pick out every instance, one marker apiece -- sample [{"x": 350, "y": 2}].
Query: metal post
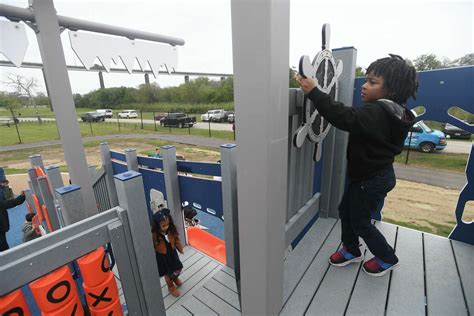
[
  {"x": 48, "y": 202},
  {"x": 141, "y": 117},
  {"x": 109, "y": 173},
  {"x": 173, "y": 196},
  {"x": 101, "y": 80},
  {"x": 147, "y": 80},
  {"x": 118, "y": 122},
  {"x": 132, "y": 197},
  {"x": 16, "y": 125},
  {"x": 260, "y": 29},
  {"x": 154, "y": 120},
  {"x": 57, "y": 79},
  {"x": 71, "y": 204},
  {"x": 186, "y": 79},
  {"x": 55, "y": 179},
  {"x": 36, "y": 160},
  {"x": 132, "y": 161},
  {"x": 229, "y": 199}
]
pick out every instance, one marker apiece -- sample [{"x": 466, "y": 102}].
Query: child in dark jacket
[
  {"x": 29, "y": 228},
  {"x": 166, "y": 241},
  {"x": 377, "y": 131}
]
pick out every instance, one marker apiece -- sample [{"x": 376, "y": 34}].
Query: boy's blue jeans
[{"x": 360, "y": 198}]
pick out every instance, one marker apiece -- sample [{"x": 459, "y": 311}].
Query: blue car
[{"x": 425, "y": 138}]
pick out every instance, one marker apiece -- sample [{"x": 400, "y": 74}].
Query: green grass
[
  {"x": 34, "y": 132},
  {"x": 437, "y": 160},
  {"x": 433, "y": 228}
]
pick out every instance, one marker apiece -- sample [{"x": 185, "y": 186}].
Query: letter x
[{"x": 101, "y": 297}]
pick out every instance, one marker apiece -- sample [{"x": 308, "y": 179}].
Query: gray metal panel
[
  {"x": 57, "y": 79},
  {"x": 131, "y": 158},
  {"x": 191, "y": 278},
  {"x": 55, "y": 179},
  {"x": 216, "y": 303},
  {"x": 36, "y": 160},
  {"x": 173, "y": 195},
  {"x": 132, "y": 197},
  {"x": 43, "y": 255},
  {"x": 124, "y": 265},
  {"x": 292, "y": 150},
  {"x": 465, "y": 257},
  {"x": 109, "y": 173},
  {"x": 223, "y": 293},
  {"x": 29, "y": 198},
  {"x": 230, "y": 203},
  {"x": 34, "y": 186},
  {"x": 301, "y": 257},
  {"x": 407, "y": 288},
  {"x": 197, "y": 307},
  {"x": 71, "y": 205},
  {"x": 442, "y": 278},
  {"x": 48, "y": 202},
  {"x": 302, "y": 296},
  {"x": 370, "y": 293},
  {"x": 298, "y": 222}
]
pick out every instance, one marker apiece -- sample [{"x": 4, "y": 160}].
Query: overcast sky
[{"x": 375, "y": 28}]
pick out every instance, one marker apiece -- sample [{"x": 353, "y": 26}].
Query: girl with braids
[
  {"x": 166, "y": 241},
  {"x": 377, "y": 131}
]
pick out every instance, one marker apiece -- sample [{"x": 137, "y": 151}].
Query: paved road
[{"x": 458, "y": 146}]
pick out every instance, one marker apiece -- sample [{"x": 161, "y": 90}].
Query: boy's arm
[
  {"x": 351, "y": 119},
  {"x": 6, "y": 204}
]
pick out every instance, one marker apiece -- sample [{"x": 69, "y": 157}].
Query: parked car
[
  {"x": 128, "y": 114},
  {"x": 159, "y": 116},
  {"x": 214, "y": 116},
  {"x": 206, "y": 117},
  {"x": 425, "y": 138},
  {"x": 108, "y": 113},
  {"x": 178, "y": 119},
  {"x": 92, "y": 117},
  {"x": 452, "y": 131}
]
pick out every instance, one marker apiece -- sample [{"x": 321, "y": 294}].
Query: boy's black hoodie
[{"x": 377, "y": 131}]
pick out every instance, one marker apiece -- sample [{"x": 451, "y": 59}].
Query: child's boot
[
  {"x": 171, "y": 288},
  {"x": 177, "y": 281}
]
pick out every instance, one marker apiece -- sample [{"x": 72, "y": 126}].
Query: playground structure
[{"x": 264, "y": 212}]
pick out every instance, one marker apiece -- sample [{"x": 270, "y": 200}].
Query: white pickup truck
[{"x": 214, "y": 116}]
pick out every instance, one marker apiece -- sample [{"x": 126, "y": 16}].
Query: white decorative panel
[
  {"x": 88, "y": 46},
  {"x": 13, "y": 41}
]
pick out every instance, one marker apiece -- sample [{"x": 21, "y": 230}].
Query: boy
[
  {"x": 377, "y": 131},
  {"x": 6, "y": 201},
  {"x": 29, "y": 228}
]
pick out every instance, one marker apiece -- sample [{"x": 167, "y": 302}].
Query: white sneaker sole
[
  {"x": 345, "y": 263},
  {"x": 395, "y": 266}
]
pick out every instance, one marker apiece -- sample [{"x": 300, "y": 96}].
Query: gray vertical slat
[
  {"x": 293, "y": 152},
  {"x": 55, "y": 179},
  {"x": 29, "y": 199},
  {"x": 465, "y": 259},
  {"x": 71, "y": 204},
  {"x": 131, "y": 158},
  {"x": 124, "y": 265},
  {"x": 36, "y": 160},
  {"x": 109, "y": 173},
  {"x": 407, "y": 288},
  {"x": 48, "y": 202},
  {"x": 132, "y": 198},
  {"x": 60, "y": 94},
  {"x": 370, "y": 293},
  {"x": 308, "y": 174},
  {"x": 442, "y": 278},
  {"x": 197, "y": 307},
  {"x": 327, "y": 172},
  {"x": 301, "y": 297},
  {"x": 216, "y": 303},
  {"x": 300, "y": 174},
  {"x": 229, "y": 200},
  {"x": 34, "y": 186},
  {"x": 173, "y": 195}
]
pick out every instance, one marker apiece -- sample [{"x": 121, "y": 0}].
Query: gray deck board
[
  {"x": 188, "y": 263},
  {"x": 197, "y": 307},
  {"x": 303, "y": 294},
  {"x": 296, "y": 263},
  {"x": 223, "y": 292},
  {"x": 229, "y": 271},
  {"x": 226, "y": 280},
  {"x": 443, "y": 287},
  {"x": 407, "y": 288},
  {"x": 465, "y": 259},
  {"x": 370, "y": 293},
  {"x": 177, "y": 310},
  {"x": 216, "y": 303}
]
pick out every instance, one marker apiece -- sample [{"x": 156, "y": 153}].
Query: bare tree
[{"x": 24, "y": 87}]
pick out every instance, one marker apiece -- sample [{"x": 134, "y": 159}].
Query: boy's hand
[
  {"x": 307, "y": 84},
  {"x": 22, "y": 193}
]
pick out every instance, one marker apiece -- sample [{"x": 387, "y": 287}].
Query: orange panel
[
  {"x": 14, "y": 303},
  {"x": 207, "y": 243},
  {"x": 115, "y": 309},
  {"x": 74, "y": 307},
  {"x": 94, "y": 267},
  {"x": 102, "y": 295}
]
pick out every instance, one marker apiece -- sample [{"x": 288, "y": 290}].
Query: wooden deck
[{"x": 435, "y": 278}]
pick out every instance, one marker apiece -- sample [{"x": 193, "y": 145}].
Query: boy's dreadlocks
[{"x": 399, "y": 77}]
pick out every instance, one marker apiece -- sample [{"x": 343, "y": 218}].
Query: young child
[
  {"x": 166, "y": 242},
  {"x": 377, "y": 131},
  {"x": 29, "y": 228}
]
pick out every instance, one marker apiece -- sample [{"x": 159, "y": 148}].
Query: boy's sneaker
[
  {"x": 343, "y": 257},
  {"x": 377, "y": 267}
]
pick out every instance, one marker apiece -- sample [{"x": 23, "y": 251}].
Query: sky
[{"x": 374, "y": 28}]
